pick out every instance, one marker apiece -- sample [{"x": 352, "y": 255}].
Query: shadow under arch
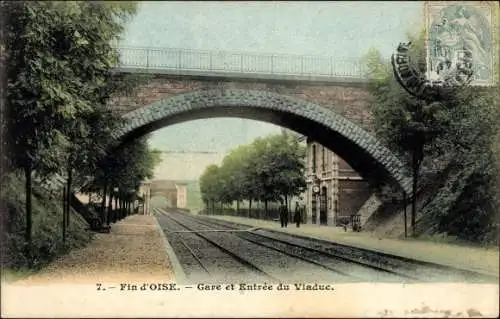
[{"x": 362, "y": 151}]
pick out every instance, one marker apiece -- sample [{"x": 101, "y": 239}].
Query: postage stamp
[{"x": 456, "y": 29}]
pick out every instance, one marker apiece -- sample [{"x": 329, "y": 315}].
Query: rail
[{"x": 163, "y": 59}]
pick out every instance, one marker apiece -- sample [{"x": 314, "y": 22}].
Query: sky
[{"x": 339, "y": 29}]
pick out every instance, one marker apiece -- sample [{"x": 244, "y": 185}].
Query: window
[
  {"x": 323, "y": 159},
  {"x": 314, "y": 206},
  {"x": 323, "y": 206},
  {"x": 313, "y": 158}
]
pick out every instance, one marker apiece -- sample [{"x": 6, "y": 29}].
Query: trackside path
[
  {"x": 481, "y": 260},
  {"x": 132, "y": 252}
]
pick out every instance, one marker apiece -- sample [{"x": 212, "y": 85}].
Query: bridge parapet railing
[{"x": 220, "y": 61}]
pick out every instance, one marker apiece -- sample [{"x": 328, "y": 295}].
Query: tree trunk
[
  {"x": 110, "y": 203},
  {"x": 120, "y": 205},
  {"x": 286, "y": 205},
  {"x": 265, "y": 209},
  {"x": 116, "y": 212},
  {"x": 414, "y": 203},
  {"x": 68, "y": 194},
  {"x": 250, "y": 208},
  {"x": 237, "y": 208},
  {"x": 65, "y": 207},
  {"x": 416, "y": 160},
  {"x": 103, "y": 203},
  {"x": 406, "y": 223},
  {"x": 28, "y": 185}
]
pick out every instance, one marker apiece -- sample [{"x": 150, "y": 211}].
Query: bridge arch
[
  {"x": 165, "y": 188},
  {"x": 362, "y": 151}
]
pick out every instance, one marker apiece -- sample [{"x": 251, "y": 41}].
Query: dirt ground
[{"x": 132, "y": 252}]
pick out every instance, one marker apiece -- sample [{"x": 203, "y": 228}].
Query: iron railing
[{"x": 229, "y": 62}]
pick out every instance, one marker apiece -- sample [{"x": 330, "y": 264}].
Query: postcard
[{"x": 250, "y": 159}]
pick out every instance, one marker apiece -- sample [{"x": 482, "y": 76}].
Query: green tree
[
  {"x": 59, "y": 58},
  {"x": 209, "y": 187},
  {"x": 450, "y": 133},
  {"x": 123, "y": 171},
  {"x": 409, "y": 125},
  {"x": 268, "y": 169},
  {"x": 40, "y": 95},
  {"x": 287, "y": 161},
  {"x": 231, "y": 176},
  {"x": 85, "y": 44}
]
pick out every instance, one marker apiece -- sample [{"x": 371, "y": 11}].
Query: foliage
[
  {"x": 268, "y": 169},
  {"x": 401, "y": 120},
  {"x": 209, "y": 184},
  {"x": 59, "y": 60},
  {"x": 47, "y": 226},
  {"x": 125, "y": 168},
  {"x": 457, "y": 133},
  {"x": 59, "y": 64}
]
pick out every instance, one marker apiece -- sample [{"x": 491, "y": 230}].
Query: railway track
[
  {"x": 423, "y": 270},
  {"x": 357, "y": 263},
  {"x": 202, "y": 258},
  {"x": 277, "y": 266},
  {"x": 307, "y": 261}
]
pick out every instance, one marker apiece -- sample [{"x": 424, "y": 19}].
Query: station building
[{"x": 334, "y": 190}]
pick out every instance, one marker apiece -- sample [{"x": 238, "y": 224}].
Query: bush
[{"x": 47, "y": 226}]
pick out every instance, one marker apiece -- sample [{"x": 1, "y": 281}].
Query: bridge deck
[{"x": 243, "y": 65}]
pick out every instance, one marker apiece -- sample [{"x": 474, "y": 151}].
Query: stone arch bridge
[
  {"x": 360, "y": 149},
  {"x": 332, "y": 109},
  {"x": 165, "y": 188}
]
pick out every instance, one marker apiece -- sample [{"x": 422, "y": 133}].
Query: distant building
[
  {"x": 181, "y": 195},
  {"x": 334, "y": 189},
  {"x": 145, "y": 194}
]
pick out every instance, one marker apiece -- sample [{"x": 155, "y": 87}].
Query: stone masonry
[
  {"x": 338, "y": 124},
  {"x": 350, "y": 100}
]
